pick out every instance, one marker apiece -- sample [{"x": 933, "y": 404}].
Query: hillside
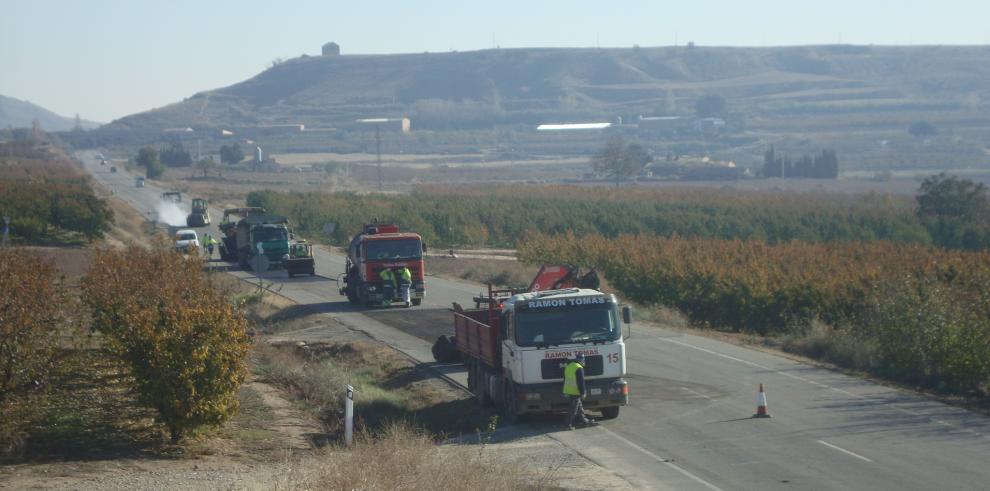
[
  {"x": 858, "y": 100},
  {"x": 532, "y": 85},
  {"x": 20, "y": 114}
]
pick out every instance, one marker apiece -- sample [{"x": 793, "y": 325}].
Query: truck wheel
[
  {"x": 509, "y": 415},
  {"x": 470, "y": 377},
  {"x": 417, "y": 301},
  {"x": 610, "y": 412}
]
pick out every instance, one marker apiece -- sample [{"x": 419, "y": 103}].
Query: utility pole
[{"x": 378, "y": 152}]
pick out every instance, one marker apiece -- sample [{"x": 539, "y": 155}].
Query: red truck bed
[{"x": 475, "y": 337}]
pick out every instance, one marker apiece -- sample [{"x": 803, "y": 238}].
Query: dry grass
[
  {"x": 388, "y": 388},
  {"x": 130, "y": 227},
  {"x": 401, "y": 457}
]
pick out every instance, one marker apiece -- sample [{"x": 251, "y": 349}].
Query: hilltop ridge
[{"x": 535, "y": 84}]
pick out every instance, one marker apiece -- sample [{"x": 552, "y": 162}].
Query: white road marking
[
  {"x": 662, "y": 460},
  {"x": 847, "y": 452},
  {"x": 824, "y": 386},
  {"x": 699, "y": 394}
]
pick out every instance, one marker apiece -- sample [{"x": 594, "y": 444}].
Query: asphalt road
[{"x": 689, "y": 425}]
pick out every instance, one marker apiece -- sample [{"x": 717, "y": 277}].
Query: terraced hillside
[
  {"x": 854, "y": 98},
  {"x": 531, "y": 84}
]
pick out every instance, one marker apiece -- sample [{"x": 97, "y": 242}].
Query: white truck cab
[{"x": 543, "y": 331}]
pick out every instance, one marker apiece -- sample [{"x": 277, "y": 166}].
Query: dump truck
[
  {"x": 259, "y": 241},
  {"x": 172, "y": 197},
  {"x": 516, "y": 346},
  {"x": 377, "y": 247},
  {"x": 301, "y": 260},
  {"x": 228, "y": 227},
  {"x": 200, "y": 214}
]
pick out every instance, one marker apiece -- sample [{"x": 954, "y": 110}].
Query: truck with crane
[
  {"x": 517, "y": 343},
  {"x": 377, "y": 247}
]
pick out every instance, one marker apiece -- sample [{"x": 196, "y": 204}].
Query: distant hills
[
  {"x": 506, "y": 86},
  {"x": 21, "y": 114}
]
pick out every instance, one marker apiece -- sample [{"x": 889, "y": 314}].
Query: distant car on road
[
  {"x": 139, "y": 182},
  {"x": 186, "y": 238}
]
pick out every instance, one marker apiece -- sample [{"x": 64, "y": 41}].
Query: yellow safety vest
[
  {"x": 406, "y": 275},
  {"x": 570, "y": 379},
  {"x": 387, "y": 275}
]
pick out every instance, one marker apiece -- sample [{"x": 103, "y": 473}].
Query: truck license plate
[{"x": 596, "y": 392}]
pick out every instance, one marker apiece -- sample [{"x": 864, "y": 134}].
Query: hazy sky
[{"x": 109, "y": 58}]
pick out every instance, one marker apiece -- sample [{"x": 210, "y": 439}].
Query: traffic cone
[{"x": 761, "y": 404}]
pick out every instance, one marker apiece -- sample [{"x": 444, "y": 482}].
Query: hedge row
[
  {"x": 499, "y": 215},
  {"x": 47, "y": 198},
  {"x": 924, "y": 311}
]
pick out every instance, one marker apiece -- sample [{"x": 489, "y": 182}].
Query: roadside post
[{"x": 349, "y": 416}]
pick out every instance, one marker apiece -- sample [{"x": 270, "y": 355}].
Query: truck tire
[
  {"x": 509, "y": 414},
  {"x": 610, "y": 412},
  {"x": 470, "y": 378},
  {"x": 443, "y": 351},
  {"x": 480, "y": 383}
]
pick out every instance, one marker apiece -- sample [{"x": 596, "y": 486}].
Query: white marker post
[{"x": 349, "y": 416}]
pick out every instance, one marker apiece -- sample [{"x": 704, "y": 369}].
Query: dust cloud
[{"x": 171, "y": 214}]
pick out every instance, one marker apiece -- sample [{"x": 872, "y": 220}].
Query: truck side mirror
[
  {"x": 424, "y": 246},
  {"x": 627, "y": 319}
]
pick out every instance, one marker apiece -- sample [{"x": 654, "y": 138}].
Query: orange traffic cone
[{"x": 761, "y": 404}]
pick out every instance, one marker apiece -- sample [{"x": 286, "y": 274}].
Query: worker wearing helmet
[{"x": 574, "y": 389}]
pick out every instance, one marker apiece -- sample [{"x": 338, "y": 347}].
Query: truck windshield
[
  {"x": 394, "y": 249},
  {"x": 270, "y": 235},
  {"x": 571, "y": 325}
]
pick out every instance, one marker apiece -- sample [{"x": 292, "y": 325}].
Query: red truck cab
[{"x": 378, "y": 247}]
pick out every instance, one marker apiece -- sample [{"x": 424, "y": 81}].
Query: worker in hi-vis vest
[
  {"x": 574, "y": 390},
  {"x": 405, "y": 285},
  {"x": 388, "y": 285}
]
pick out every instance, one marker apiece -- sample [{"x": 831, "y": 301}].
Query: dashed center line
[
  {"x": 824, "y": 386},
  {"x": 847, "y": 452}
]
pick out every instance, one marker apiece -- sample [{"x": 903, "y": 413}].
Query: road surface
[{"x": 689, "y": 425}]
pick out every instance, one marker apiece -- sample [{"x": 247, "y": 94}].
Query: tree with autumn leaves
[
  {"x": 35, "y": 311},
  {"x": 184, "y": 343}
]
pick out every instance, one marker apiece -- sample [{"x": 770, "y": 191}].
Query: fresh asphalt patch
[{"x": 426, "y": 324}]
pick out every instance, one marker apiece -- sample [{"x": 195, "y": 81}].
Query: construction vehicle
[
  {"x": 258, "y": 241},
  {"x": 139, "y": 182},
  {"x": 301, "y": 260},
  {"x": 377, "y": 247},
  {"x": 200, "y": 214},
  {"x": 172, "y": 197},
  {"x": 516, "y": 345},
  {"x": 228, "y": 227}
]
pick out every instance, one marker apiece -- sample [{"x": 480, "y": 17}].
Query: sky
[{"x": 105, "y": 59}]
